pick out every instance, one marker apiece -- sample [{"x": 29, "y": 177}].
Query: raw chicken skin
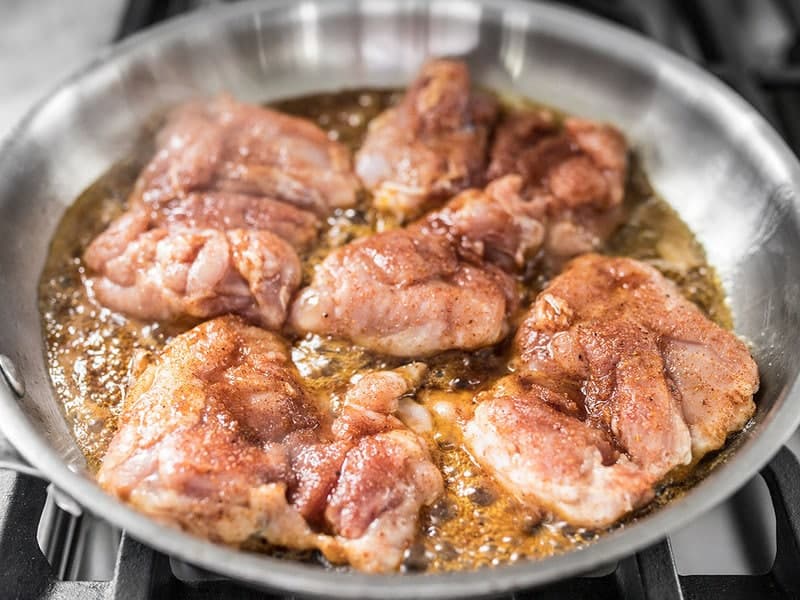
[
  {"x": 618, "y": 380},
  {"x": 431, "y": 145},
  {"x": 219, "y": 437}
]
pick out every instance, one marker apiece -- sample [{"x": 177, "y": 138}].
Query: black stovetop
[{"x": 754, "y": 46}]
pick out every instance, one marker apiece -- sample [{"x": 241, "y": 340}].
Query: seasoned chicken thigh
[
  {"x": 229, "y": 146},
  {"x": 201, "y": 438},
  {"x": 219, "y": 436},
  {"x": 573, "y": 177},
  {"x": 162, "y": 274},
  {"x": 442, "y": 283},
  {"x": 406, "y": 293},
  {"x": 495, "y": 224},
  {"x": 551, "y": 458},
  {"x": 618, "y": 380},
  {"x": 626, "y": 315},
  {"x": 431, "y": 145}
]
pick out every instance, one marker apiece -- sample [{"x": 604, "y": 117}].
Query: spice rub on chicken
[
  {"x": 618, "y": 380},
  {"x": 572, "y": 177},
  {"x": 216, "y": 217},
  {"x": 431, "y": 145},
  {"x": 220, "y": 437}
]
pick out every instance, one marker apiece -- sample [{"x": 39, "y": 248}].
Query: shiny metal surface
[
  {"x": 12, "y": 382},
  {"x": 13, "y": 377},
  {"x": 720, "y": 165}
]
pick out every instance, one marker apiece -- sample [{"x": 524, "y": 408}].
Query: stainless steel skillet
[{"x": 707, "y": 152}]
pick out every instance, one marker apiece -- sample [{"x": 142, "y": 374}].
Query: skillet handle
[{"x": 13, "y": 386}]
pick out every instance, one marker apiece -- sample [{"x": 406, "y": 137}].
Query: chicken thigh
[
  {"x": 444, "y": 282},
  {"x": 230, "y": 146},
  {"x": 201, "y": 438},
  {"x": 573, "y": 176},
  {"x": 164, "y": 275},
  {"x": 406, "y": 293},
  {"x": 618, "y": 380},
  {"x": 431, "y": 145},
  {"x": 219, "y": 436},
  {"x": 494, "y": 225}
]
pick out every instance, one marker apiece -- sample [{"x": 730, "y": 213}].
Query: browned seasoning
[{"x": 475, "y": 524}]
